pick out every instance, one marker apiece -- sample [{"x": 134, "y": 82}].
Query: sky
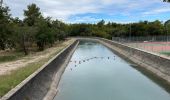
[{"x": 92, "y": 11}]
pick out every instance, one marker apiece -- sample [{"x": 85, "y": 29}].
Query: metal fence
[
  {"x": 142, "y": 39},
  {"x": 157, "y": 44}
]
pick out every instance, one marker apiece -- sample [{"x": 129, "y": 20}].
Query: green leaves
[
  {"x": 5, "y": 31},
  {"x": 43, "y": 32},
  {"x": 32, "y": 14},
  {"x": 166, "y": 0}
]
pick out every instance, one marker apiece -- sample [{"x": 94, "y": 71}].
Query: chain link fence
[{"x": 156, "y": 44}]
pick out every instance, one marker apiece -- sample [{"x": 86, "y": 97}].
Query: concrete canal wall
[
  {"x": 157, "y": 64},
  {"x": 40, "y": 84}
]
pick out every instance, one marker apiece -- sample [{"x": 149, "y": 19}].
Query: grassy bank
[
  {"x": 12, "y": 56},
  {"x": 9, "y": 81}
]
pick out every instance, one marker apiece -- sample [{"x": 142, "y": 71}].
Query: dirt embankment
[{"x": 7, "y": 67}]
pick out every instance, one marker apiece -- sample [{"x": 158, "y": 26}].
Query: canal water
[{"x": 96, "y": 73}]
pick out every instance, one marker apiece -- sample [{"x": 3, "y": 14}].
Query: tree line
[
  {"x": 35, "y": 30},
  {"x": 107, "y": 30}
]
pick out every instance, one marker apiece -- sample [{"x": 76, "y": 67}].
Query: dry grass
[{"x": 10, "y": 80}]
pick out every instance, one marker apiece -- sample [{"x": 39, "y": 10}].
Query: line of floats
[{"x": 76, "y": 62}]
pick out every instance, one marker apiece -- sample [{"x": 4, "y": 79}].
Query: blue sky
[{"x": 92, "y": 11}]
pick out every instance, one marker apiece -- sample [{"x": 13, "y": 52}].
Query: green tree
[
  {"x": 45, "y": 34},
  {"x": 101, "y": 23},
  {"x": 32, "y": 14},
  {"x": 155, "y": 28},
  {"x": 5, "y": 30},
  {"x": 167, "y": 27},
  {"x": 61, "y": 29},
  {"x": 166, "y": 0},
  {"x": 24, "y": 35}
]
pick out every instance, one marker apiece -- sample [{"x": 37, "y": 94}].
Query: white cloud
[
  {"x": 64, "y": 9},
  {"x": 157, "y": 11},
  {"x": 87, "y": 19}
]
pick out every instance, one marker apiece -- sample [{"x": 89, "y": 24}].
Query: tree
[
  {"x": 167, "y": 27},
  {"x": 101, "y": 23},
  {"x": 45, "y": 34},
  {"x": 24, "y": 37},
  {"x": 61, "y": 30},
  {"x": 32, "y": 14},
  {"x": 5, "y": 30},
  {"x": 155, "y": 28},
  {"x": 166, "y": 0}
]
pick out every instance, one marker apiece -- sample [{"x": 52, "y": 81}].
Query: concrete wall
[
  {"x": 157, "y": 64},
  {"x": 36, "y": 86}
]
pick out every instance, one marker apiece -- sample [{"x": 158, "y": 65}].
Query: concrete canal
[{"x": 96, "y": 73}]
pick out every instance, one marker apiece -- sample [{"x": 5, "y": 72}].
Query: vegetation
[
  {"x": 142, "y": 28},
  {"x": 36, "y": 30},
  {"x": 11, "y": 56},
  {"x": 9, "y": 81},
  {"x": 166, "y": 0}
]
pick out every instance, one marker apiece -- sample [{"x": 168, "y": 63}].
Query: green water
[{"x": 104, "y": 78}]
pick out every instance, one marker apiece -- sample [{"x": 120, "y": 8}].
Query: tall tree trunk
[
  {"x": 24, "y": 45},
  {"x": 2, "y": 45}
]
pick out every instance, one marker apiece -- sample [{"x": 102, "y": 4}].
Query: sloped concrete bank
[
  {"x": 157, "y": 64},
  {"x": 42, "y": 83},
  {"x": 152, "y": 62}
]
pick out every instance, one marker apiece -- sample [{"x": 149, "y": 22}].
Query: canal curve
[{"x": 96, "y": 73}]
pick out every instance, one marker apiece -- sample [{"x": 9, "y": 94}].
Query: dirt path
[{"x": 7, "y": 67}]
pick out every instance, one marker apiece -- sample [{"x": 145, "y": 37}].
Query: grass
[
  {"x": 165, "y": 53},
  {"x": 11, "y": 56},
  {"x": 7, "y": 56},
  {"x": 9, "y": 81}
]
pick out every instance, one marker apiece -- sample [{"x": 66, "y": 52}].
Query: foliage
[
  {"x": 41, "y": 31},
  {"x": 142, "y": 28},
  {"x": 5, "y": 31},
  {"x": 34, "y": 29},
  {"x": 167, "y": 26},
  {"x": 32, "y": 14},
  {"x": 166, "y": 0},
  {"x": 9, "y": 81},
  {"x": 24, "y": 38}
]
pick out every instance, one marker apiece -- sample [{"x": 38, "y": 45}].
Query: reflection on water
[{"x": 95, "y": 73}]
